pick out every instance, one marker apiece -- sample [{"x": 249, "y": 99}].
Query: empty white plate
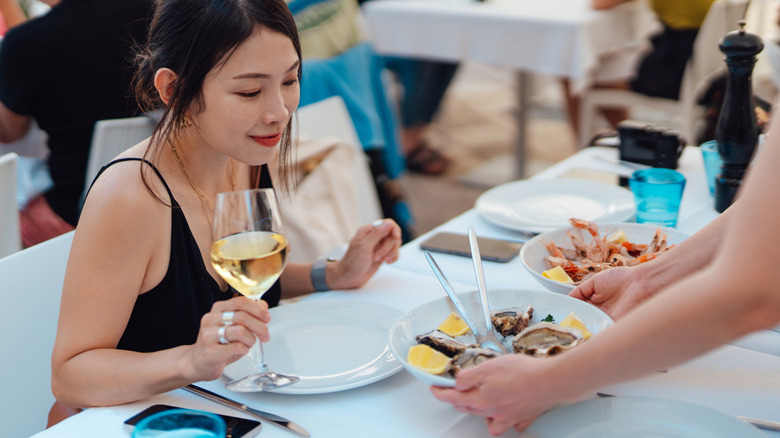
[
  {"x": 541, "y": 205},
  {"x": 331, "y": 345}
]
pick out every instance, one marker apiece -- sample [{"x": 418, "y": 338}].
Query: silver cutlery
[
  {"x": 272, "y": 418},
  {"x": 761, "y": 424},
  {"x": 451, "y": 293},
  {"x": 489, "y": 340}
]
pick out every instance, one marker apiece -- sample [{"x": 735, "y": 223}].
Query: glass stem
[{"x": 258, "y": 358}]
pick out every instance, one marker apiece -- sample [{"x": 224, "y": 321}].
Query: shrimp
[{"x": 598, "y": 249}]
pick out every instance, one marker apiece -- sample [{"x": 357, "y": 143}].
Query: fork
[{"x": 489, "y": 340}]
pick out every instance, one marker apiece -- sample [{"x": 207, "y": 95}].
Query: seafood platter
[
  {"x": 525, "y": 321},
  {"x": 585, "y": 248}
]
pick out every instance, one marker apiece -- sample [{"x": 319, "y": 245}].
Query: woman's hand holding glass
[
  {"x": 250, "y": 253},
  {"x": 209, "y": 356}
]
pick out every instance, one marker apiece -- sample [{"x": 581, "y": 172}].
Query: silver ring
[
  {"x": 377, "y": 223},
  {"x": 221, "y": 333},
  {"x": 227, "y": 318}
]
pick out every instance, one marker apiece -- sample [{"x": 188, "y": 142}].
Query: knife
[
  {"x": 761, "y": 424},
  {"x": 274, "y": 419}
]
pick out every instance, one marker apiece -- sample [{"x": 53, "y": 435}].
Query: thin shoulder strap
[{"x": 159, "y": 175}]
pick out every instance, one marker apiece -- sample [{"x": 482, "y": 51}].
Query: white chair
[
  {"x": 705, "y": 63},
  {"x": 10, "y": 236},
  {"x": 338, "y": 194},
  {"x": 112, "y": 137},
  {"x": 31, "y": 282},
  {"x": 330, "y": 118}
]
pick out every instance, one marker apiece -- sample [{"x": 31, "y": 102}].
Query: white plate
[
  {"x": 331, "y": 345},
  {"x": 533, "y": 253},
  {"x": 428, "y": 316},
  {"x": 546, "y": 204},
  {"x": 638, "y": 417}
]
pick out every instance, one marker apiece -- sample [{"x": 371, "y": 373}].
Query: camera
[{"x": 649, "y": 144}]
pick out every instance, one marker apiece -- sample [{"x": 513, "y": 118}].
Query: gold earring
[{"x": 185, "y": 122}]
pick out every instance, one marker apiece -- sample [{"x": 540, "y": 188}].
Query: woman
[
  {"x": 141, "y": 304},
  {"x": 710, "y": 290}
]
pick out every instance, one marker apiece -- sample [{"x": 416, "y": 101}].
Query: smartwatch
[{"x": 318, "y": 274}]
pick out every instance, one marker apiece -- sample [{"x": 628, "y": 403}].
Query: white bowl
[
  {"x": 533, "y": 252},
  {"x": 430, "y": 315}
]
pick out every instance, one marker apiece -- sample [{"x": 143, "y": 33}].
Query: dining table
[
  {"x": 739, "y": 379},
  {"x": 561, "y": 38}
]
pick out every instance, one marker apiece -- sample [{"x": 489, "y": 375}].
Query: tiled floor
[{"x": 476, "y": 128}]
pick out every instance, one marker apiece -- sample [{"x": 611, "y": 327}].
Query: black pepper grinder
[{"x": 737, "y": 129}]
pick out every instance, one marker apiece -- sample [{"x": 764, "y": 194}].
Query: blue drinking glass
[
  {"x": 181, "y": 423},
  {"x": 712, "y": 162},
  {"x": 657, "y": 193}
]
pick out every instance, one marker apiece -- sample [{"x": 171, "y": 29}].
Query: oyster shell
[
  {"x": 443, "y": 342},
  {"x": 512, "y": 321},
  {"x": 545, "y": 339},
  {"x": 471, "y": 357}
]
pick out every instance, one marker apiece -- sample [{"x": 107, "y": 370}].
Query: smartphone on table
[
  {"x": 236, "y": 427},
  {"x": 494, "y": 250}
]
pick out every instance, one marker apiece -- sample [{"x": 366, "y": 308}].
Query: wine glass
[{"x": 250, "y": 253}]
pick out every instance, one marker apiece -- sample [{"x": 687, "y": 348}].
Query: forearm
[
  {"x": 690, "y": 318},
  {"x": 687, "y": 257},
  {"x": 106, "y": 377},
  {"x": 296, "y": 280}
]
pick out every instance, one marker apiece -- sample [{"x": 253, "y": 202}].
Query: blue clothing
[
  {"x": 356, "y": 76},
  {"x": 424, "y": 83}
]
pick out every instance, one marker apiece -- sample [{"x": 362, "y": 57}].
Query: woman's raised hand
[{"x": 371, "y": 246}]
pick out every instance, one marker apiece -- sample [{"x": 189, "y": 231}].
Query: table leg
[{"x": 521, "y": 114}]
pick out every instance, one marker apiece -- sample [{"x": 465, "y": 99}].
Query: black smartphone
[
  {"x": 493, "y": 250},
  {"x": 236, "y": 427}
]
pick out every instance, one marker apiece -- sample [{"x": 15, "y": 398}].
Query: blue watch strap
[{"x": 318, "y": 275}]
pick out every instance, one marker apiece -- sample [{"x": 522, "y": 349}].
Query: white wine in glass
[{"x": 250, "y": 253}]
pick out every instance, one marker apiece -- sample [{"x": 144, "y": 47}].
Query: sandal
[{"x": 427, "y": 160}]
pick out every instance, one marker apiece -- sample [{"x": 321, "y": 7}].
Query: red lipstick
[{"x": 269, "y": 141}]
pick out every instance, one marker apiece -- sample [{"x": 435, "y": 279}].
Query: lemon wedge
[
  {"x": 571, "y": 320},
  {"x": 617, "y": 238},
  {"x": 558, "y": 274},
  {"x": 453, "y": 325},
  {"x": 427, "y": 359}
]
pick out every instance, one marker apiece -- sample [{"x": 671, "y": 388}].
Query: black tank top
[{"x": 169, "y": 314}]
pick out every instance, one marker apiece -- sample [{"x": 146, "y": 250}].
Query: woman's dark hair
[{"x": 192, "y": 37}]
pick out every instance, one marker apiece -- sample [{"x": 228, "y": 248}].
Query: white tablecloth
[
  {"x": 557, "y": 37},
  {"x": 733, "y": 380}
]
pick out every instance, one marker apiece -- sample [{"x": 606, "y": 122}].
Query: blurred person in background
[
  {"x": 424, "y": 83},
  {"x": 660, "y": 71},
  {"x": 66, "y": 70}
]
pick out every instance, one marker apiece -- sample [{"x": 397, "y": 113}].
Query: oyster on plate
[
  {"x": 470, "y": 358},
  {"x": 440, "y": 341},
  {"x": 512, "y": 321},
  {"x": 545, "y": 339}
]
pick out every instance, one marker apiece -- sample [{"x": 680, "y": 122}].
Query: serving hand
[
  {"x": 372, "y": 245},
  {"x": 226, "y": 334},
  {"x": 615, "y": 291},
  {"x": 504, "y": 390}
]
